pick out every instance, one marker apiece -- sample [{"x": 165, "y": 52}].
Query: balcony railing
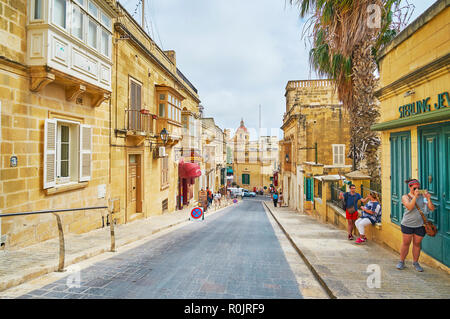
[
  {"x": 139, "y": 121},
  {"x": 309, "y": 84}
]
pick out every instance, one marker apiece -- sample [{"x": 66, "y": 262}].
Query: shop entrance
[{"x": 434, "y": 174}]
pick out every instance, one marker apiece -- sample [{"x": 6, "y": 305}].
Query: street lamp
[{"x": 164, "y": 135}]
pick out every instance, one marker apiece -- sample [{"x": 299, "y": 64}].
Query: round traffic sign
[{"x": 197, "y": 213}]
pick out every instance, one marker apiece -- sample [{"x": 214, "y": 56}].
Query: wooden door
[
  {"x": 134, "y": 184},
  {"x": 400, "y": 172},
  {"x": 132, "y": 169},
  {"x": 434, "y": 162}
]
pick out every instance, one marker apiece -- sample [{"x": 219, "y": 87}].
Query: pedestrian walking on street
[
  {"x": 351, "y": 208},
  {"x": 412, "y": 222},
  {"x": 209, "y": 196},
  {"x": 370, "y": 216},
  {"x": 217, "y": 198},
  {"x": 275, "y": 198}
]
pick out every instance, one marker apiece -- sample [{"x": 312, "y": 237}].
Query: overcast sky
[{"x": 239, "y": 54}]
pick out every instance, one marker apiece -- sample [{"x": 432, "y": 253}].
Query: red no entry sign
[{"x": 197, "y": 213}]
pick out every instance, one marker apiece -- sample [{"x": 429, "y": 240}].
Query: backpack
[{"x": 275, "y": 196}]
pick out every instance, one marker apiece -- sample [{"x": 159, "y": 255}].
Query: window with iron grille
[{"x": 165, "y": 204}]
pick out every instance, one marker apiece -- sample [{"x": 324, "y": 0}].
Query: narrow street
[{"x": 238, "y": 252}]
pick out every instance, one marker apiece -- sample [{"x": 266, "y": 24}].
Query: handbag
[{"x": 430, "y": 228}]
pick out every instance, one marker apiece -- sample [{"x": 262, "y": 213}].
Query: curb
[
  {"x": 305, "y": 260},
  {"x": 14, "y": 281}
]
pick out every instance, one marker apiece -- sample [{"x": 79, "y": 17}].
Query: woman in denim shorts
[{"x": 412, "y": 223}]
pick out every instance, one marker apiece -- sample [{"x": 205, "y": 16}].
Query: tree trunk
[{"x": 364, "y": 111}]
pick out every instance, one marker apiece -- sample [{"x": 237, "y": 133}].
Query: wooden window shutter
[
  {"x": 50, "y": 128},
  {"x": 342, "y": 154},
  {"x": 138, "y": 96},
  {"x": 335, "y": 155},
  {"x": 85, "y": 153},
  {"x": 132, "y": 95}
]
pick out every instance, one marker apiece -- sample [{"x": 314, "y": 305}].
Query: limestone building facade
[
  {"x": 315, "y": 140},
  {"x": 55, "y": 88},
  {"x": 154, "y": 108},
  {"x": 253, "y": 161}
]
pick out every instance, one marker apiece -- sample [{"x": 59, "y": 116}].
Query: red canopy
[{"x": 189, "y": 170}]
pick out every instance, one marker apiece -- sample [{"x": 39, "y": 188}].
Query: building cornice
[
  {"x": 424, "y": 118},
  {"x": 424, "y": 74}
]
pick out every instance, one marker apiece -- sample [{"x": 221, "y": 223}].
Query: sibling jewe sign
[{"x": 424, "y": 105}]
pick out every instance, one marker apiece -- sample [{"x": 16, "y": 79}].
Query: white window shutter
[
  {"x": 85, "y": 153},
  {"x": 50, "y": 135},
  {"x": 342, "y": 154}
]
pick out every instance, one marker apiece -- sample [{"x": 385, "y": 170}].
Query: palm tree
[{"x": 346, "y": 39}]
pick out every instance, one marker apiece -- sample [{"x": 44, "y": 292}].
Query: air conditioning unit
[{"x": 162, "y": 151}]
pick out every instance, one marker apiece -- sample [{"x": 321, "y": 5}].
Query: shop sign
[{"x": 424, "y": 105}]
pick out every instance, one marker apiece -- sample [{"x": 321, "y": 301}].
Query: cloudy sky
[{"x": 239, "y": 54}]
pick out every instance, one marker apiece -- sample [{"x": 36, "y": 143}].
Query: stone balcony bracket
[
  {"x": 39, "y": 79},
  {"x": 41, "y": 76},
  {"x": 72, "y": 93},
  {"x": 100, "y": 98}
]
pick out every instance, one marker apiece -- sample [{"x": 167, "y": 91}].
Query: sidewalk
[
  {"x": 22, "y": 265},
  {"x": 342, "y": 265}
]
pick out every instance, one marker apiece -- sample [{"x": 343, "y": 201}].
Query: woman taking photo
[{"x": 412, "y": 222}]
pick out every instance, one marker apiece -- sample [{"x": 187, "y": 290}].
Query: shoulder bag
[
  {"x": 344, "y": 202},
  {"x": 350, "y": 210},
  {"x": 430, "y": 228}
]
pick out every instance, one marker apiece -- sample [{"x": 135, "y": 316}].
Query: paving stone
[
  {"x": 35, "y": 260},
  {"x": 343, "y": 265},
  {"x": 197, "y": 261}
]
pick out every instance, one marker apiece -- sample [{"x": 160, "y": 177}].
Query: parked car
[
  {"x": 236, "y": 191},
  {"x": 249, "y": 194}
]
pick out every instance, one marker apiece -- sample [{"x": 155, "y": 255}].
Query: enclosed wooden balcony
[{"x": 173, "y": 128}]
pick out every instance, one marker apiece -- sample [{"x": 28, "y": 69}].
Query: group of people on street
[
  {"x": 277, "y": 197},
  {"x": 412, "y": 224},
  {"x": 216, "y": 197},
  {"x": 371, "y": 212}
]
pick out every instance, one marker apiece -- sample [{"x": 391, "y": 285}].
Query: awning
[
  {"x": 329, "y": 178},
  {"x": 188, "y": 170}
]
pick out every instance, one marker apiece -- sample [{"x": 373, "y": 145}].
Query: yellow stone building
[
  {"x": 151, "y": 95},
  {"x": 315, "y": 142},
  {"x": 254, "y": 162},
  {"x": 55, "y": 87},
  {"x": 214, "y": 155},
  {"x": 84, "y": 96},
  {"x": 415, "y": 127}
]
